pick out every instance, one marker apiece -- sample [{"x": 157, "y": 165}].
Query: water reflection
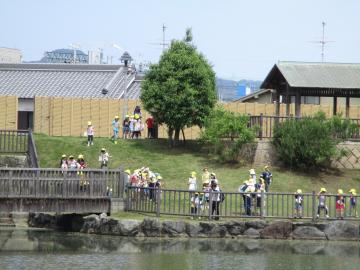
[{"x": 82, "y": 251}]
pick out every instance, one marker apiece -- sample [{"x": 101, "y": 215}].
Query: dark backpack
[{"x": 222, "y": 196}]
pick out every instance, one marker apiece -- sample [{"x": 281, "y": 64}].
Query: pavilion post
[
  {"x": 277, "y": 103},
  {"x": 287, "y": 100},
  {"x": 347, "y": 110},
  {"x": 335, "y": 106},
  {"x": 298, "y": 104}
]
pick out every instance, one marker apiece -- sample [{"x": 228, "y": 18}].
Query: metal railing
[
  {"x": 19, "y": 142},
  {"x": 55, "y": 183},
  {"x": 235, "y": 205},
  {"x": 14, "y": 141},
  {"x": 265, "y": 125}
]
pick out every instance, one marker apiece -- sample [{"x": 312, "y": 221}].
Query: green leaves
[
  {"x": 180, "y": 90},
  {"x": 310, "y": 142},
  {"x": 227, "y": 132}
]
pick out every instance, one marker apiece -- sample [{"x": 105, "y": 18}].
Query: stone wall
[
  {"x": 13, "y": 161},
  {"x": 334, "y": 230}
]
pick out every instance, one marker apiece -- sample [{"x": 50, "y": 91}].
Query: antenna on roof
[
  {"x": 323, "y": 42},
  {"x": 164, "y": 44}
]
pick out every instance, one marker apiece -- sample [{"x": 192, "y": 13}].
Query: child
[
  {"x": 298, "y": 204},
  {"x": 259, "y": 188},
  {"x": 63, "y": 163},
  {"x": 340, "y": 204},
  {"x": 115, "y": 126},
  {"x": 322, "y": 203},
  {"x": 195, "y": 204},
  {"x": 192, "y": 181},
  {"x": 81, "y": 162},
  {"x": 90, "y": 134},
  {"x": 72, "y": 164},
  {"x": 126, "y": 127},
  {"x": 353, "y": 202},
  {"x": 205, "y": 176},
  {"x": 104, "y": 158}
]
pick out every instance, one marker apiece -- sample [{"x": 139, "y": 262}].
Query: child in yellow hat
[
  {"x": 340, "y": 204},
  {"x": 298, "y": 204},
  {"x": 322, "y": 203},
  {"x": 353, "y": 212}
]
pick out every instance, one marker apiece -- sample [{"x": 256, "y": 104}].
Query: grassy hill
[{"x": 175, "y": 165}]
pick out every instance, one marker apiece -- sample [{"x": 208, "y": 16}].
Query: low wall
[
  {"x": 101, "y": 224},
  {"x": 13, "y": 161}
]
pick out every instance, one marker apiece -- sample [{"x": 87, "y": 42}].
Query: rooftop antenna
[
  {"x": 163, "y": 43},
  {"x": 323, "y": 42}
]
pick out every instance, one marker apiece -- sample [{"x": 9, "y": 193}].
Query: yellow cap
[
  {"x": 127, "y": 171},
  {"x": 136, "y": 116},
  {"x": 340, "y": 191},
  {"x": 71, "y": 156},
  {"x": 266, "y": 167},
  {"x": 103, "y": 149},
  {"x": 63, "y": 156},
  {"x": 159, "y": 177},
  {"x": 80, "y": 156},
  {"x": 116, "y": 117},
  {"x": 196, "y": 193},
  {"x": 193, "y": 173},
  {"x": 251, "y": 171},
  {"x": 299, "y": 191},
  {"x": 323, "y": 189},
  {"x": 353, "y": 191},
  {"x": 127, "y": 116},
  {"x": 213, "y": 174},
  {"x": 89, "y": 123}
]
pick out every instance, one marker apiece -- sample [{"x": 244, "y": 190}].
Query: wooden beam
[
  {"x": 287, "y": 100},
  {"x": 335, "y": 106},
  {"x": 347, "y": 107},
  {"x": 298, "y": 104}
]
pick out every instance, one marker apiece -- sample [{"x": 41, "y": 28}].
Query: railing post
[
  {"x": 158, "y": 202},
  {"x": 313, "y": 206},
  {"x": 261, "y": 126},
  {"x": 210, "y": 204}
]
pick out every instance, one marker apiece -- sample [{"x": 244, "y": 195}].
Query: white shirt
[{"x": 192, "y": 183}]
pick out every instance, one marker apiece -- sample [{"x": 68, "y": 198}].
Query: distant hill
[{"x": 229, "y": 90}]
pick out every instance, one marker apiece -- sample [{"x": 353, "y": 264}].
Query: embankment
[{"x": 256, "y": 229}]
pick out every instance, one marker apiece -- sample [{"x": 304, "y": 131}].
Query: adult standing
[
  {"x": 267, "y": 176},
  {"x": 115, "y": 126},
  {"x": 150, "y": 126}
]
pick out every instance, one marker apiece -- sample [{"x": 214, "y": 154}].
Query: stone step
[{"x": 6, "y": 222}]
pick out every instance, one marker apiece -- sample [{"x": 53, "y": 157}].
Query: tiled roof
[
  {"x": 319, "y": 75},
  {"x": 64, "y": 80},
  {"x": 134, "y": 90}
]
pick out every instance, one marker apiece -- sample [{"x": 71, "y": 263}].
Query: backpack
[{"x": 222, "y": 196}]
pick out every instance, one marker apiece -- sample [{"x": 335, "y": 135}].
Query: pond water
[{"x": 40, "y": 249}]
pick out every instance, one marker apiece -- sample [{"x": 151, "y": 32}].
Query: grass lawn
[{"x": 175, "y": 165}]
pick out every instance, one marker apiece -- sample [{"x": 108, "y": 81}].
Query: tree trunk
[
  {"x": 170, "y": 136},
  {"x": 182, "y": 131},
  {"x": 176, "y": 136}
]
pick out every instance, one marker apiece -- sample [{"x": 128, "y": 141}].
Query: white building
[{"x": 10, "y": 55}]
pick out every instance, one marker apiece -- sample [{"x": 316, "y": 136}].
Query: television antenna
[
  {"x": 164, "y": 44},
  {"x": 323, "y": 42}
]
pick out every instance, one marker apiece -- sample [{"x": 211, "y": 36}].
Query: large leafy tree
[{"x": 179, "y": 91}]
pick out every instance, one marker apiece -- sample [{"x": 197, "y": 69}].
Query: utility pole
[
  {"x": 163, "y": 43},
  {"x": 323, "y": 42}
]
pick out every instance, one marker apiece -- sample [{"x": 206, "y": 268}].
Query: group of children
[
  {"x": 145, "y": 182},
  {"x": 70, "y": 163},
  {"x": 340, "y": 202}
]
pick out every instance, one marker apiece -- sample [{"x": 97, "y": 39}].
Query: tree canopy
[{"x": 179, "y": 91}]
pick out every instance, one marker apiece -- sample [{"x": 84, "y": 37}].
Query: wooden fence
[
  {"x": 55, "y": 183},
  {"x": 235, "y": 205}
]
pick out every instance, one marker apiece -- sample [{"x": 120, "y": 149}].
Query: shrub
[
  {"x": 227, "y": 132},
  {"x": 311, "y": 141}
]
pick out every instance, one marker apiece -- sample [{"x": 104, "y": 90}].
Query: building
[
  {"x": 34, "y": 94},
  {"x": 309, "y": 83},
  {"x": 10, "y": 55}
]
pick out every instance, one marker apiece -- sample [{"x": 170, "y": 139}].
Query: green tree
[
  {"x": 227, "y": 132},
  {"x": 179, "y": 91}
]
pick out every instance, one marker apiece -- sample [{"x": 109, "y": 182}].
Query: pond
[{"x": 43, "y": 249}]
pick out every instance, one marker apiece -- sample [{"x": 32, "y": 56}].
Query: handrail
[{"x": 32, "y": 153}]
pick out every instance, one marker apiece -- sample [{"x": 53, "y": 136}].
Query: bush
[
  {"x": 311, "y": 141},
  {"x": 227, "y": 132}
]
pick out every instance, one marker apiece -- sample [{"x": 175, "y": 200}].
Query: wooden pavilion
[{"x": 297, "y": 79}]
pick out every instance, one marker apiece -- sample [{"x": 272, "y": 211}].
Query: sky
[{"x": 241, "y": 39}]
